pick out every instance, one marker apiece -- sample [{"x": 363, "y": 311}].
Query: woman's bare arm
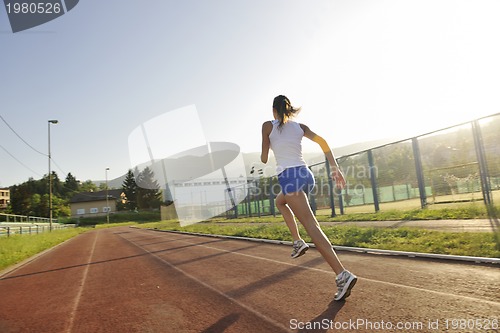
[
  {"x": 336, "y": 172},
  {"x": 267, "y": 127}
]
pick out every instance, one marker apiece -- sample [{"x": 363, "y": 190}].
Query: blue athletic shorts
[{"x": 296, "y": 179}]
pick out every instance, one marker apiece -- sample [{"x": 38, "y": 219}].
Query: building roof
[{"x": 96, "y": 196}]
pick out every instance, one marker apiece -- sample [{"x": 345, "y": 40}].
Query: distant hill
[
  {"x": 112, "y": 183},
  {"x": 360, "y": 146}
]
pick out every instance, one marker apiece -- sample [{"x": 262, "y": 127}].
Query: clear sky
[{"x": 361, "y": 70}]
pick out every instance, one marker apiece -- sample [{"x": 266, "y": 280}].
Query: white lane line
[
  {"x": 221, "y": 293},
  {"x": 392, "y": 284},
  {"x": 82, "y": 285}
]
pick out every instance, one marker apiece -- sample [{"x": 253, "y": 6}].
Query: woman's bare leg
[
  {"x": 299, "y": 205},
  {"x": 287, "y": 216}
]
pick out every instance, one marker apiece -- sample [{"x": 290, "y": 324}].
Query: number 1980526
[{"x": 33, "y": 8}]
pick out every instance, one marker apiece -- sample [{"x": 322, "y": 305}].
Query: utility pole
[{"x": 50, "y": 176}]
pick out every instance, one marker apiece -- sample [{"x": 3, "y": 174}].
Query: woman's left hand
[{"x": 339, "y": 178}]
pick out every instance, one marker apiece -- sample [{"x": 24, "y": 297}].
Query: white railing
[
  {"x": 24, "y": 218},
  {"x": 12, "y": 228}
]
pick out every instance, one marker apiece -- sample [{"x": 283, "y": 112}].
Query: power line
[
  {"x": 27, "y": 167},
  {"x": 53, "y": 161},
  {"x": 6, "y": 123},
  {"x": 24, "y": 165},
  {"x": 33, "y": 148}
]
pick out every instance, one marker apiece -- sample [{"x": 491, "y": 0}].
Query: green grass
[
  {"x": 433, "y": 212},
  {"x": 466, "y": 212},
  {"x": 119, "y": 217},
  {"x": 400, "y": 239},
  {"x": 417, "y": 240},
  {"x": 469, "y": 211},
  {"x": 112, "y": 225},
  {"x": 17, "y": 248}
]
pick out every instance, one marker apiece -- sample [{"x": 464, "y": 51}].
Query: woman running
[{"x": 284, "y": 137}]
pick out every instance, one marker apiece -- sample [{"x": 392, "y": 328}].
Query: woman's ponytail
[{"x": 284, "y": 109}]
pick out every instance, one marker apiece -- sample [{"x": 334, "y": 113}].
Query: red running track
[{"x": 132, "y": 280}]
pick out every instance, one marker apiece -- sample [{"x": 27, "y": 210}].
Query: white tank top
[{"x": 286, "y": 143}]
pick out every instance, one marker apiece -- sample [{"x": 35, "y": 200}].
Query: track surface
[{"x": 132, "y": 280}]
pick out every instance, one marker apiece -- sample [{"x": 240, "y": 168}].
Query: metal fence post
[
  {"x": 230, "y": 193},
  {"x": 249, "y": 200},
  {"x": 258, "y": 200},
  {"x": 483, "y": 167},
  {"x": 420, "y": 173},
  {"x": 271, "y": 198},
  {"x": 312, "y": 199},
  {"x": 330, "y": 187},
  {"x": 373, "y": 180},
  {"x": 341, "y": 202}
]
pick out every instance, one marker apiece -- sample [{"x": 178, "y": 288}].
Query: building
[
  {"x": 86, "y": 204},
  {"x": 4, "y": 198}
]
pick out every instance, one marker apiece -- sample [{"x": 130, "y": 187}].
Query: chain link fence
[{"x": 459, "y": 164}]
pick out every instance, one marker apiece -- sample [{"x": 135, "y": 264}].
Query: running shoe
[
  {"x": 345, "y": 281},
  {"x": 299, "y": 248}
]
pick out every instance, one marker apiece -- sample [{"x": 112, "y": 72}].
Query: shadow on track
[
  {"x": 271, "y": 279},
  {"x": 12, "y": 275},
  {"x": 222, "y": 324}
]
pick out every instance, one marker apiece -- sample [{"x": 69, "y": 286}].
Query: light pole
[
  {"x": 107, "y": 197},
  {"x": 50, "y": 177}
]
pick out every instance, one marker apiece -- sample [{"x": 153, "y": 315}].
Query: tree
[
  {"x": 395, "y": 164},
  {"x": 148, "y": 191},
  {"x": 129, "y": 188},
  {"x": 57, "y": 186},
  {"x": 60, "y": 207},
  {"x": 88, "y": 186},
  {"x": 70, "y": 186},
  {"x": 36, "y": 206},
  {"x": 20, "y": 199}
]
